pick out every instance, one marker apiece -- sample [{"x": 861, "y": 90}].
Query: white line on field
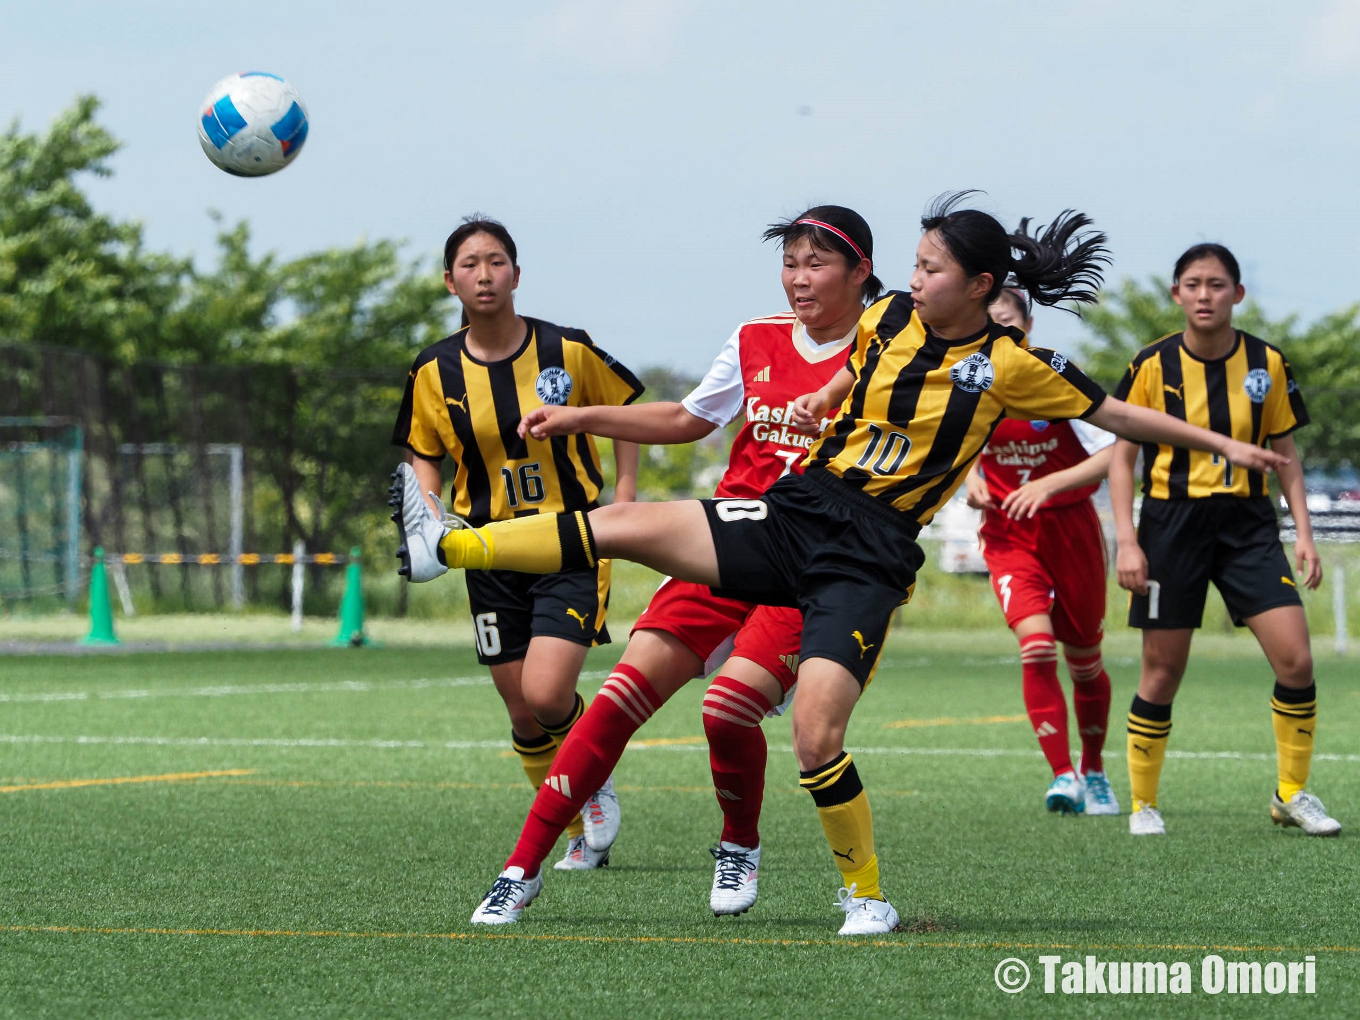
[
  {"x": 323, "y": 742},
  {"x": 231, "y": 690},
  {"x": 993, "y": 752},
  {"x": 466, "y": 745}
]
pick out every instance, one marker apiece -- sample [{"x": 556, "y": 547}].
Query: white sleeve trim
[
  {"x": 720, "y": 396},
  {"x": 1092, "y": 439}
]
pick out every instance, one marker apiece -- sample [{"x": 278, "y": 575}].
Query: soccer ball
[{"x": 252, "y": 124}]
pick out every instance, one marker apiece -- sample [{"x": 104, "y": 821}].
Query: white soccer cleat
[
  {"x": 865, "y": 916},
  {"x": 579, "y": 857},
  {"x": 1100, "y": 798},
  {"x": 420, "y": 529},
  {"x": 735, "y": 875},
  {"x": 1146, "y": 820},
  {"x": 509, "y": 895},
  {"x": 1305, "y": 811},
  {"x": 601, "y": 816},
  {"x": 1066, "y": 794}
]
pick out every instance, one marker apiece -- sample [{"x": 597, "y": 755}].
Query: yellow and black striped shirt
[
  {"x": 470, "y": 409},
  {"x": 1249, "y": 394},
  {"x": 922, "y": 408}
]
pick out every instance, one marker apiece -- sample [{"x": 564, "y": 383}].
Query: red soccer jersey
[
  {"x": 1023, "y": 450},
  {"x": 764, "y": 366}
]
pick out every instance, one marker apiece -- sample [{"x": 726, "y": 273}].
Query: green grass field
[{"x": 306, "y": 832}]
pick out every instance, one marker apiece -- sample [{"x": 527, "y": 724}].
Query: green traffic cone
[
  {"x": 101, "y": 613},
  {"x": 351, "y": 633}
]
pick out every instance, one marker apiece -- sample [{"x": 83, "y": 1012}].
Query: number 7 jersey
[
  {"x": 1021, "y": 451},
  {"x": 763, "y": 368}
]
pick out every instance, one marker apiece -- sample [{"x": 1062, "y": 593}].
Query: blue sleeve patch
[
  {"x": 291, "y": 130},
  {"x": 221, "y": 121},
  {"x": 260, "y": 74}
]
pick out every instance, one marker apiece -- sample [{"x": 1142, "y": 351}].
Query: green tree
[
  {"x": 1324, "y": 355},
  {"x": 358, "y": 307},
  {"x": 70, "y": 276}
]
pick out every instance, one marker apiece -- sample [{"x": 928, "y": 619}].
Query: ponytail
[
  {"x": 1060, "y": 264},
  {"x": 1057, "y": 264}
]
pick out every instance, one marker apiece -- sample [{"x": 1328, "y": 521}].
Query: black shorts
[
  {"x": 844, "y": 559},
  {"x": 1230, "y": 540},
  {"x": 508, "y": 608}
]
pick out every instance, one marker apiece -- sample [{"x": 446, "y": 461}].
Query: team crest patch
[
  {"x": 553, "y": 385},
  {"x": 1058, "y": 362},
  {"x": 1038, "y": 426},
  {"x": 1257, "y": 385},
  {"x": 973, "y": 374}
]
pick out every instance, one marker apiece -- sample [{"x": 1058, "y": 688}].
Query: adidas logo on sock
[
  {"x": 1091, "y": 731},
  {"x": 561, "y": 784},
  {"x": 1045, "y": 729}
]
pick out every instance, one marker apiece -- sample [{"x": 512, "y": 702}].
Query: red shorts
[
  {"x": 1052, "y": 564},
  {"x": 769, "y": 636}
]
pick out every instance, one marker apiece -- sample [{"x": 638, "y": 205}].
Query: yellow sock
[
  {"x": 461, "y": 549},
  {"x": 1294, "y": 714},
  {"x": 558, "y": 733},
  {"x": 843, "y": 807},
  {"x": 535, "y": 755},
  {"x": 541, "y": 544},
  {"x": 1149, "y": 727}
]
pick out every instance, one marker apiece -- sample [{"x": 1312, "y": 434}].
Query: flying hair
[{"x": 1058, "y": 262}]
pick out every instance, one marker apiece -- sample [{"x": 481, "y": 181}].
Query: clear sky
[{"x": 637, "y": 148}]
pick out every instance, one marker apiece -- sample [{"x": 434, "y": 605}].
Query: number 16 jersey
[{"x": 469, "y": 409}]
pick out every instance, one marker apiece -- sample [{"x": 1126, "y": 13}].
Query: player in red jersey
[
  {"x": 686, "y": 630},
  {"x": 1045, "y": 551}
]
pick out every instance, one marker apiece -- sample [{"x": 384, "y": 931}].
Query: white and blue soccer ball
[{"x": 252, "y": 124}]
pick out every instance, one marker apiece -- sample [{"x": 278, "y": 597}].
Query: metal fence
[{"x": 184, "y": 459}]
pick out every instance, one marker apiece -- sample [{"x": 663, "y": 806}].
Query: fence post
[
  {"x": 120, "y": 583},
  {"x": 238, "y": 572},
  {"x": 1339, "y": 607},
  {"x": 298, "y": 573},
  {"x": 73, "y": 515}
]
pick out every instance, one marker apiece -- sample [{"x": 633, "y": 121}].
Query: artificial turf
[{"x": 363, "y": 800}]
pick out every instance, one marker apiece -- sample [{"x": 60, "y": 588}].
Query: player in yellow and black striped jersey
[
  {"x": 921, "y": 408},
  {"x": 464, "y": 399},
  {"x": 930, "y": 376},
  {"x": 1202, "y": 521},
  {"x": 460, "y": 405},
  {"x": 1250, "y": 394}
]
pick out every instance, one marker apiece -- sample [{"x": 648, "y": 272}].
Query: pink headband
[{"x": 839, "y": 233}]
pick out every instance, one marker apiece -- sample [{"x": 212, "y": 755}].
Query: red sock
[
  {"x": 1044, "y": 699},
  {"x": 733, "y": 713},
  {"x": 583, "y": 762},
  {"x": 1091, "y": 702}
]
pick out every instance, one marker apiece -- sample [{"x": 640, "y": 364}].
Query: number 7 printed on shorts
[{"x": 1003, "y": 587}]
